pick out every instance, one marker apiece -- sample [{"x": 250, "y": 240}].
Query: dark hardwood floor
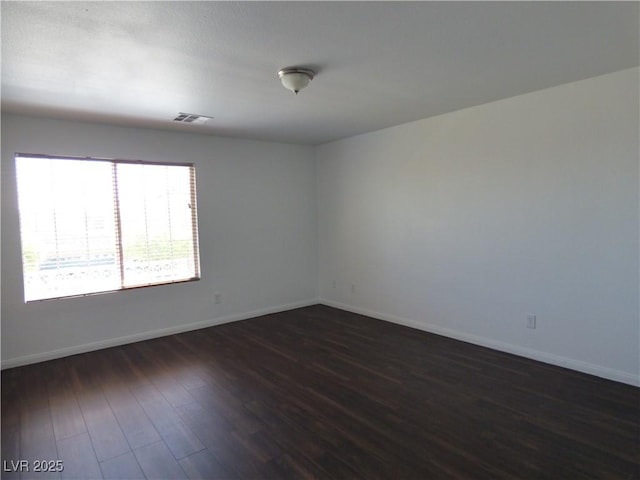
[{"x": 315, "y": 393}]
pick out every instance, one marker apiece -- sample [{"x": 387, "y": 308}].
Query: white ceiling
[{"x": 379, "y": 63}]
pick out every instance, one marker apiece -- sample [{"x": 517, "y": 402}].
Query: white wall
[
  {"x": 463, "y": 223},
  {"x": 257, "y": 237},
  {"x": 459, "y": 224}
]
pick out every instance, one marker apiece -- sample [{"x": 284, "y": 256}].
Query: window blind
[{"x": 95, "y": 225}]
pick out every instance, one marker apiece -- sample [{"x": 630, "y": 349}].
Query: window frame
[{"x": 117, "y": 213}]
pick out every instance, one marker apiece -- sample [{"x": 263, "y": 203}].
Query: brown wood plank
[
  {"x": 10, "y": 451},
  {"x": 203, "y": 466},
  {"x": 151, "y": 361},
  {"x": 122, "y": 467},
  {"x": 106, "y": 434},
  {"x": 37, "y": 440},
  {"x": 66, "y": 416},
  {"x": 180, "y": 439},
  {"x": 78, "y": 457},
  {"x": 157, "y": 462},
  {"x": 318, "y": 393},
  {"x": 134, "y": 422}
]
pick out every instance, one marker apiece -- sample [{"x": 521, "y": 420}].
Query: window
[{"x": 96, "y": 225}]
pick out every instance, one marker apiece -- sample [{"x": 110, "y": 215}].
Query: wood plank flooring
[{"x": 315, "y": 393}]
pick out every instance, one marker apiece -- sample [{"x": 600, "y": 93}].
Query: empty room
[{"x": 334, "y": 240}]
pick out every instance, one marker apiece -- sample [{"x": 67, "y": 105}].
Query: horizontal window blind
[{"x": 97, "y": 225}]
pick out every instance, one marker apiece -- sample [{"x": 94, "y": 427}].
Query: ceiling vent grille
[{"x": 191, "y": 118}]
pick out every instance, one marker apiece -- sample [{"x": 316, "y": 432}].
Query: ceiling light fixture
[{"x": 295, "y": 79}]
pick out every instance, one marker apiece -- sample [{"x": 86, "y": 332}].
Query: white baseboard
[
  {"x": 113, "y": 342},
  {"x": 578, "y": 365}
]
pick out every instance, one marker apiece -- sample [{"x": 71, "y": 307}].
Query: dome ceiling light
[{"x": 295, "y": 79}]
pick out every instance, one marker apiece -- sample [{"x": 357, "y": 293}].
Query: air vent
[{"x": 191, "y": 118}]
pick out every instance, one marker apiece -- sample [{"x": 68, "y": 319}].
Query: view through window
[{"x": 96, "y": 225}]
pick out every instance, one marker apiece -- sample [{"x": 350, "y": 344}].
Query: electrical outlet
[
  {"x": 353, "y": 289},
  {"x": 531, "y": 321},
  {"x": 217, "y": 298}
]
